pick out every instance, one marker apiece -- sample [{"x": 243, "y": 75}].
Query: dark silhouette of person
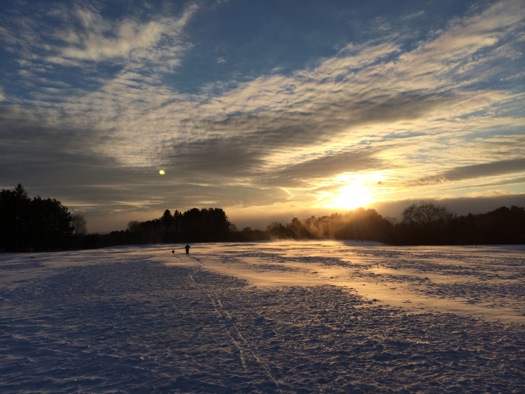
[
  {"x": 187, "y": 247},
  {"x": 172, "y": 251}
]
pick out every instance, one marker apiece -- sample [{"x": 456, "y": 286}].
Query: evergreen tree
[{"x": 37, "y": 224}]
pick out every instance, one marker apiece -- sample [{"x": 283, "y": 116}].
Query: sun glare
[
  {"x": 355, "y": 192},
  {"x": 351, "y": 197}
]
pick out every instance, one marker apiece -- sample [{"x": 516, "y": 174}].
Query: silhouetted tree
[
  {"x": 424, "y": 223},
  {"x": 421, "y": 224},
  {"x": 425, "y": 215},
  {"x": 39, "y": 224},
  {"x": 133, "y": 233},
  {"x": 501, "y": 226},
  {"x": 298, "y": 230},
  {"x": 51, "y": 225},
  {"x": 277, "y": 230},
  {"x": 507, "y": 225},
  {"x": 359, "y": 225},
  {"x": 363, "y": 224},
  {"x": 205, "y": 225},
  {"x": 167, "y": 219},
  {"x": 14, "y": 218},
  {"x": 177, "y": 226},
  {"x": 79, "y": 224},
  {"x": 167, "y": 226}
]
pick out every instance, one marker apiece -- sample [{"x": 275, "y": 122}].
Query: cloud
[
  {"x": 81, "y": 37},
  {"x": 100, "y": 92},
  {"x": 452, "y": 56},
  {"x": 140, "y": 122},
  {"x": 504, "y": 182},
  {"x": 307, "y": 171},
  {"x": 218, "y": 158},
  {"x": 483, "y": 170},
  {"x": 486, "y": 169},
  {"x": 97, "y": 39},
  {"x": 129, "y": 41},
  {"x": 317, "y": 109}
]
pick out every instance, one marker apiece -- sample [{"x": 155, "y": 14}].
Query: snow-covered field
[{"x": 318, "y": 316}]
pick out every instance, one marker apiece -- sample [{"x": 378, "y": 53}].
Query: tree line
[
  {"x": 420, "y": 224},
  {"x": 44, "y": 224},
  {"x": 36, "y": 223},
  {"x": 194, "y": 225},
  {"x": 39, "y": 224}
]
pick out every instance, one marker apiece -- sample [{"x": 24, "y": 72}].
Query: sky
[{"x": 268, "y": 109}]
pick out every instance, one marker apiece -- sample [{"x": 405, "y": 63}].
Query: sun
[
  {"x": 351, "y": 197},
  {"x": 351, "y": 192}
]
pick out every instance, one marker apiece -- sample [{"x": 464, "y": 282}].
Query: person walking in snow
[{"x": 187, "y": 247}]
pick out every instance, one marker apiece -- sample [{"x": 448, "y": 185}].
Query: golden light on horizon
[
  {"x": 354, "y": 191},
  {"x": 350, "y": 197}
]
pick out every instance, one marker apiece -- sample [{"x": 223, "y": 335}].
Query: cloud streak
[{"x": 502, "y": 167}]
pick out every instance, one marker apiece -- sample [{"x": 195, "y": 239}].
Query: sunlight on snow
[
  {"x": 417, "y": 279},
  {"x": 308, "y": 316},
  {"x": 479, "y": 281}
]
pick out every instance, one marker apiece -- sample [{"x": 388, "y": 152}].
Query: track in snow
[{"x": 243, "y": 346}]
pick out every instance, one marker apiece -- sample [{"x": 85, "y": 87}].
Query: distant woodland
[{"x": 44, "y": 224}]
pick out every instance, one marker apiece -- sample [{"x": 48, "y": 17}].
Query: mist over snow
[{"x": 283, "y": 317}]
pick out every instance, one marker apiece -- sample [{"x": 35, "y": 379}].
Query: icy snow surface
[{"x": 264, "y": 317}]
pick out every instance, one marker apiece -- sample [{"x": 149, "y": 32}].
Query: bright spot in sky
[
  {"x": 162, "y": 172},
  {"x": 352, "y": 196},
  {"x": 354, "y": 191}
]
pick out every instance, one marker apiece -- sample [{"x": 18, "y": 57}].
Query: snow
[{"x": 316, "y": 316}]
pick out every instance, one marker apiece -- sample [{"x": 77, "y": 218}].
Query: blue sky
[{"x": 267, "y": 109}]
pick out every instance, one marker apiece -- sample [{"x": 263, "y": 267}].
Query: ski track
[
  {"x": 241, "y": 344},
  {"x": 138, "y": 319}
]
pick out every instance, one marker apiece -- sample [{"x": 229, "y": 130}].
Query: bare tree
[
  {"x": 425, "y": 214},
  {"x": 79, "y": 224},
  {"x": 425, "y": 224}
]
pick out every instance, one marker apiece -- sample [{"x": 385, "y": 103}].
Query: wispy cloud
[{"x": 89, "y": 37}]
